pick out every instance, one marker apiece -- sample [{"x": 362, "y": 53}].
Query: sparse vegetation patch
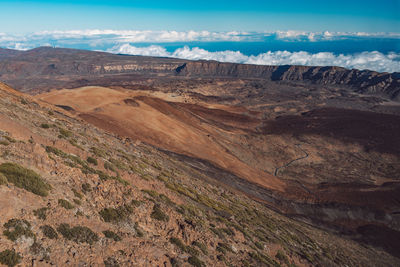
[
  {"x": 49, "y": 231},
  {"x": 78, "y": 234},
  {"x": 158, "y": 214},
  {"x": 24, "y": 178},
  {"x": 115, "y": 215},
  {"x": 9, "y": 257},
  {"x": 16, "y": 228},
  {"x": 92, "y": 160},
  {"x": 41, "y": 213},
  {"x": 111, "y": 235},
  {"x": 65, "y": 204}
]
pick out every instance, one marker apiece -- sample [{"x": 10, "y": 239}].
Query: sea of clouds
[
  {"x": 365, "y": 60},
  {"x": 128, "y": 42}
]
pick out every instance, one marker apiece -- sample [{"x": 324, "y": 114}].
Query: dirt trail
[{"x": 292, "y": 161}]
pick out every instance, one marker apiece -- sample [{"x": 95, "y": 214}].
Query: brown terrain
[{"x": 313, "y": 152}]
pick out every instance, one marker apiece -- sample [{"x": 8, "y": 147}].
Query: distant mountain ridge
[{"x": 44, "y": 62}]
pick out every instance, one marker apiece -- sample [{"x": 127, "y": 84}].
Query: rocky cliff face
[
  {"x": 45, "y": 63},
  {"x": 368, "y": 82}
]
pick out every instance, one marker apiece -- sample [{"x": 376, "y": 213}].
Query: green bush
[
  {"x": 41, "y": 213},
  {"x": 98, "y": 152},
  {"x": 115, "y": 215},
  {"x": 280, "y": 255},
  {"x": 10, "y": 139},
  {"x": 25, "y": 178},
  {"x": 201, "y": 246},
  {"x": 4, "y": 143},
  {"x": 77, "y": 201},
  {"x": 16, "y": 228},
  {"x": 3, "y": 179},
  {"x": 109, "y": 166},
  {"x": 65, "y": 204},
  {"x": 10, "y": 257},
  {"x": 223, "y": 248},
  {"x": 139, "y": 231},
  {"x": 64, "y": 133},
  {"x": 49, "y": 231},
  {"x": 78, "y": 234},
  {"x": 77, "y": 194},
  {"x": 193, "y": 260},
  {"x": 92, "y": 160},
  {"x": 111, "y": 235},
  {"x": 111, "y": 262},
  {"x": 259, "y": 245},
  {"x": 158, "y": 214},
  {"x": 86, "y": 188},
  {"x": 177, "y": 242},
  {"x": 45, "y": 126},
  {"x": 192, "y": 251}
]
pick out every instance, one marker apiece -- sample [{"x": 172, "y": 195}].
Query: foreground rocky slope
[
  {"x": 72, "y": 194},
  {"x": 319, "y": 145}
]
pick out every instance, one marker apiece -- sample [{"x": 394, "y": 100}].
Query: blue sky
[{"x": 244, "y": 15}]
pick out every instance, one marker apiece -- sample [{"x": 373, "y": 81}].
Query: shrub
[
  {"x": 98, "y": 152},
  {"x": 64, "y": 133},
  {"x": 25, "y": 178},
  {"x": 201, "y": 246},
  {"x": 192, "y": 251},
  {"x": 3, "y": 179},
  {"x": 193, "y": 260},
  {"x": 78, "y": 234},
  {"x": 177, "y": 242},
  {"x": 139, "y": 232},
  {"x": 4, "y": 143},
  {"x": 65, "y": 204},
  {"x": 77, "y": 194},
  {"x": 259, "y": 245},
  {"x": 41, "y": 213},
  {"x": 16, "y": 228},
  {"x": 109, "y": 166},
  {"x": 49, "y": 231},
  {"x": 111, "y": 262},
  {"x": 86, "y": 187},
  {"x": 10, "y": 139},
  {"x": 282, "y": 257},
  {"x": 45, "y": 126},
  {"x": 115, "y": 215},
  {"x": 223, "y": 248},
  {"x": 77, "y": 201},
  {"x": 10, "y": 257},
  {"x": 92, "y": 160},
  {"x": 111, "y": 235},
  {"x": 158, "y": 214}
]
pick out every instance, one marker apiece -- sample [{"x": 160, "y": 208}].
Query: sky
[
  {"x": 348, "y": 33},
  {"x": 223, "y": 15}
]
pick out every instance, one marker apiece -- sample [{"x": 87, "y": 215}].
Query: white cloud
[
  {"x": 366, "y": 60},
  {"x": 127, "y": 41},
  {"x": 133, "y": 36}
]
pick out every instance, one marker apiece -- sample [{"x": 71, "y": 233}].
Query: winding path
[{"x": 292, "y": 161}]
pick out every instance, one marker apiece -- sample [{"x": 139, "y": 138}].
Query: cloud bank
[
  {"x": 96, "y": 38},
  {"x": 153, "y": 43},
  {"x": 365, "y": 60}
]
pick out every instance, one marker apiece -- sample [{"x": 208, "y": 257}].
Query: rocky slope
[
  {"x": 86, "y": 197},
  {"x": 315, "y": 144}
]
